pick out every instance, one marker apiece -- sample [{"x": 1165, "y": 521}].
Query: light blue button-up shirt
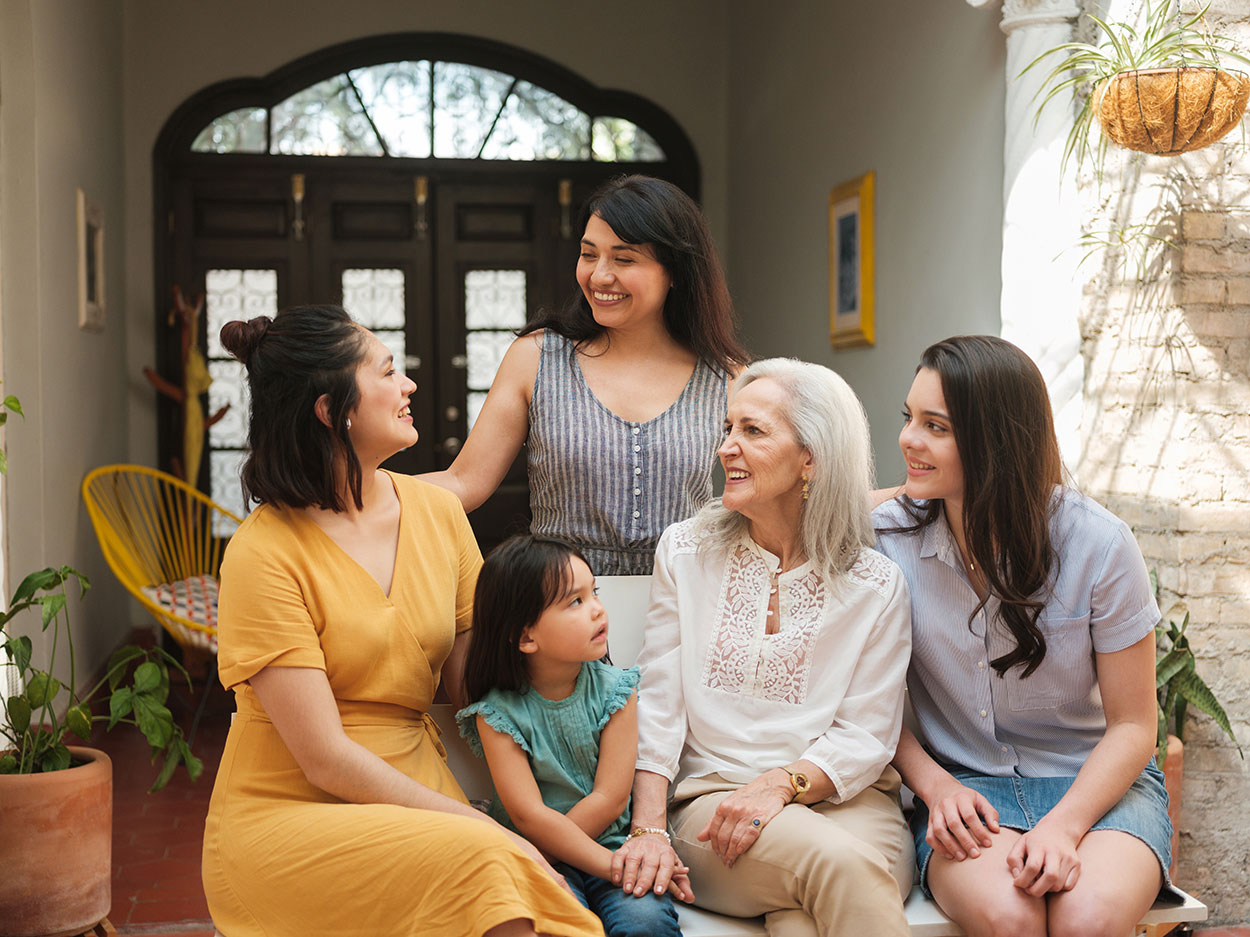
[{"x": 1099, "y": 601}]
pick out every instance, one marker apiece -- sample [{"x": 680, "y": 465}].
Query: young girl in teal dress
[{"x": 558, "y": 724}]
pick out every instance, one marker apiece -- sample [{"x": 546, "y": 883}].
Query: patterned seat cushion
[{"x": 195, "y": 599}]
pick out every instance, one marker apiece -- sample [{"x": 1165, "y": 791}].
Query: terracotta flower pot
[
  {"x": 1173, "y": 773},
  {"x": 56, "y": 848},
  {"x": 1166, "y": 111}
]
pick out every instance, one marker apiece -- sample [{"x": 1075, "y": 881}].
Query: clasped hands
[{"x": 1043, "y": 859}]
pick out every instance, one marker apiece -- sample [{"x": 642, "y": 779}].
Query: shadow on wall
[{"x": 1165, "y": 444}]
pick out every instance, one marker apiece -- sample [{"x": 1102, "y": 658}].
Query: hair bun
[{"x": 242, "y": 338}]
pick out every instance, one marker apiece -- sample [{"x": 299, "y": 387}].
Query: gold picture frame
[
  {"x": 90, "y": 265},
  {"x": 851, "y": 242}
]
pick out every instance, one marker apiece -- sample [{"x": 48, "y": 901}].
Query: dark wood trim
[{"x": 174, "y": 141}]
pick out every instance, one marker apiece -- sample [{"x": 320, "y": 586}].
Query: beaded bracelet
[{"x": 644, "y": 830}]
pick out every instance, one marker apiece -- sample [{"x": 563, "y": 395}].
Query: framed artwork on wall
[
  {"x": 851, "y": 234},
  {"x": 90, "y": 264}
]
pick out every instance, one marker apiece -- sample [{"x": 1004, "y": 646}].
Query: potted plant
[
  {"x": 1161, "y": 89},
  {"x": 56, "y": 799},
  {"x": 1178, "y": 685}
]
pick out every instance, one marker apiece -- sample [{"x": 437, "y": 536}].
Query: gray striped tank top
[{"x": 607, "y": 485}]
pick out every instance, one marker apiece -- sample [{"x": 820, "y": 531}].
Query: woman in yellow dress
[{"x": 345, "y": 597}]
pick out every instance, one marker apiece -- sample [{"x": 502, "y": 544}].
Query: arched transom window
[{"x": 423, "y": 109}]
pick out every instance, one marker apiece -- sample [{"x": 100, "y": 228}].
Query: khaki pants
[{"x": 833, "y": 870}]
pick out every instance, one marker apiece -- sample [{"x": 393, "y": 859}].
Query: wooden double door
[{"x": 443, "y": 265}]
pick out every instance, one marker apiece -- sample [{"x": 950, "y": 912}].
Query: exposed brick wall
[{"x": 1166, "y": 445}]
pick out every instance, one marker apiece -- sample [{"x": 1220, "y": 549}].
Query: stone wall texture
[{"x": 1165, "y": 442}]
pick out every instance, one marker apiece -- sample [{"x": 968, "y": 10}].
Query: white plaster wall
[
  {"x": 60, "y": 73},
  {"x": 675, "y": 54},
  {"x": 821, "y": 92}
]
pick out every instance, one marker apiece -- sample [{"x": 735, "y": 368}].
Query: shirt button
[
  {"x": 1004, "y": 749},
  {"x": 636, "y": 430},
  {"x": 638, "y": 448},
  {"x": 639, "y": 514},
  {"x": 637, "y": 491},
  {"x": 983, "y": 712},
  {"x": 637, "y": 471},
  {"x": 980, "y": 665}
]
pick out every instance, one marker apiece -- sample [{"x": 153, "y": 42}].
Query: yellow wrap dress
[{"x": 282, "y": 857}]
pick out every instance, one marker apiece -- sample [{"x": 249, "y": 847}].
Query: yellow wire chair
[{"x": 160, "y": 538}]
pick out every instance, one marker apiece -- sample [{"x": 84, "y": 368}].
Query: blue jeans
[{"x": 623, "y": 915}]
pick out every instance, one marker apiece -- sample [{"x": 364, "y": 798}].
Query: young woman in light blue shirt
[{"x": 1039, "y": 808}]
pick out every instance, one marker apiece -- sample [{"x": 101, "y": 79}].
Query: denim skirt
[{"x": 1142, "y": 811}]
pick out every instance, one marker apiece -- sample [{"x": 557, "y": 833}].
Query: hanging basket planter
[{"x": 1166, "y": 111}]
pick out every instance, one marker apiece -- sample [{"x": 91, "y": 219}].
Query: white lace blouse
[{"x": 721, "y": 696}]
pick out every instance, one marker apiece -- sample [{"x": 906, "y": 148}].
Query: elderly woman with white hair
[{"x": 775, "y": 655}]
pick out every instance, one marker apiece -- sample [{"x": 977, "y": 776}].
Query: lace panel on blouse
[{"x": 743, "y": 659}]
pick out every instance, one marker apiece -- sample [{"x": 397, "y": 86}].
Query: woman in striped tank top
[{"x": 621, "y": 395}]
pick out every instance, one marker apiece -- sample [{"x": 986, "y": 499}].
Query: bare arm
[
  {"x": 649, "y": 862},
  {"x": 960, "y": 819},
  {"x": 550, "y": 830},
  {"x": 500, "y": 429},
  {"x": 1044, "y": 859},
  {"x": 614, "y": 775},
  {"x": 299, "y": 702}
]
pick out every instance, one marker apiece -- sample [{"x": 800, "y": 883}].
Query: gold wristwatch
[{"x": 798, "y": 781}]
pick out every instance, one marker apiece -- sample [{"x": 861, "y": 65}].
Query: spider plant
[{"x": 1168, "y": 39}]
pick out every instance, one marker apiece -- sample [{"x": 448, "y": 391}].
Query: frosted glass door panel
[
  {"x": 494, "y": 309},
  {"x": 231, "y": 294}
]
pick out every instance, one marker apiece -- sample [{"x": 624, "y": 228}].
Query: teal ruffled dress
[{"x": 561, "y": 737}]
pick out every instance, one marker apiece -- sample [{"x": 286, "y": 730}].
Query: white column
[{"x": 1041, "y": 215}]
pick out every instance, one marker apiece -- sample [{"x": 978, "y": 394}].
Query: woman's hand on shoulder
[
  {"x": 649, "y": 863},
  {"x": 960, "y": 822},
  {"x": 742, "y": 816},
  {"x": 881, "y": 495},
  {"x": 1044, "y": 860}
]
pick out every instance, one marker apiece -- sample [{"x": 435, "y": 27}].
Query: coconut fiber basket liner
[{"x": 1171, "y": 110}]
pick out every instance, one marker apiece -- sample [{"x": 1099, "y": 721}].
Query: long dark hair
[
  {"x": 698, "y": 312},
  {"x": 520, "y": 579},
  {"x": 291, "y": 360},
  {"x": 1005, "y": 435}
]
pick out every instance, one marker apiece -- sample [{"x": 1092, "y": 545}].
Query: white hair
[{"x": 829, "y": 422}]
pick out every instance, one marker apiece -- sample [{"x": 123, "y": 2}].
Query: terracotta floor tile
[
  {"x": 129, "y": 853},
  {"x": 169, "y": 911},
  {"x": 186, "y": 888},
  {"x": 191, "y": 849},
  {"x": 164, "y": 869}
]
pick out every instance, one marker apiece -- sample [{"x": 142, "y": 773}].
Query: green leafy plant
[
  {"x": 1167, "y": 39},
  {"x": 1179, "y": 686},
  {"x": 32, "y": 732}
]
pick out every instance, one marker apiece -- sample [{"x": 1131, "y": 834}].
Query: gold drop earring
[{"x": 805, "y": 487}]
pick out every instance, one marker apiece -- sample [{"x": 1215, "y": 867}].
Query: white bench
[{"x": 625, "y": 598}]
